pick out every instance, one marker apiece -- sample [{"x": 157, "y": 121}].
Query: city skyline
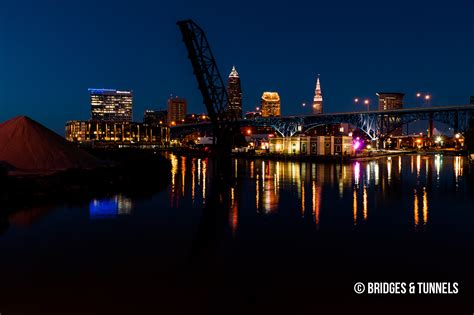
[{"x": 432, "y": 55}]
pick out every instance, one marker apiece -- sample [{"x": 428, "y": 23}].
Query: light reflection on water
[
  {"x": 269, "y": 187},
  {"x": 110, "y": 207}
]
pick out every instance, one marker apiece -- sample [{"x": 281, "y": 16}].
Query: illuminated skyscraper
[
  {"x": 270, "y": 104},
  {"x": 111, "y": 105},
  {"x": 318, "y": 99},
  {"x": 235, "y": 94},
  {"x": 176, "y": 111}
]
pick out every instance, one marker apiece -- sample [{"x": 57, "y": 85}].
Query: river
[{"x": 291, "y": 237}]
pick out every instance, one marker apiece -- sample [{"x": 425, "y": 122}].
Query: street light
[
  {"x": 425, "y": 96},
  {"x": 366, "y": 102}
]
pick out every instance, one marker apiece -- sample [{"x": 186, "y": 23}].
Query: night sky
[{"x": 52, "y": 51}]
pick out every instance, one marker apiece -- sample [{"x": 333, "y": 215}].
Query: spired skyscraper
[
  {"x": 318, "y": 99},
  {"x": 235, "y": 94}
]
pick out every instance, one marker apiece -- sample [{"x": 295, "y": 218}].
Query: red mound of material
[{"x": 29, "y": 146}]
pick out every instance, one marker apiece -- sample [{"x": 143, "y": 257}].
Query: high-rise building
[
  {"x": 111, "y": 105},
  {"x": 270, "y": 104},
  {"x": 472, "y": 100},
  {"x": 390, "y": 100},
  {"x": 176, "y": 111},
  {"x": 318, "y": 99},
  {"x": 235, "y": 94}
]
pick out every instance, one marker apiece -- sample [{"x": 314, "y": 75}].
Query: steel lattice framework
[
  {"x": 210, "y": 83},
  {"x": 376, "y": 124}
]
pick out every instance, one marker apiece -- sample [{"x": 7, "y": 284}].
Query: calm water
[{"x": 280, "y": 236}]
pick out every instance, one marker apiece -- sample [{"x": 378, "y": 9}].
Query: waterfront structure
[
  {"x": 308, "y": 145},
  {"x": 390, "y": 100},
  {"x": 318, "y": 99},
  {"x": 116, "y": 133},
  {"x": 270, "y": 104},
  {"x": 155, "y": 117},
  {"x": 234, "y": 90},
  {"x": 111, "y": 105},
  {"x": 471, "y": 101},
  {"x": 177, "y": 108}
]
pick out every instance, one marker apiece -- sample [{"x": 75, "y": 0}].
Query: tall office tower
[
  {"x": 270, "y": 104},
  {"x": 235, "y": 94},
  {"x": 318, "y": 99},
  {"x": 111, "y": 105},
  {"x": 390, "y": 100},
  {"x": 176, "y": 111}
]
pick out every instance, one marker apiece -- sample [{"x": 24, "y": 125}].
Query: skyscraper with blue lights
[{"x": 111, "y": 105}]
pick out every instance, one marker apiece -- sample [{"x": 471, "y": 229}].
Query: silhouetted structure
[{"x": 225, "y": 127}]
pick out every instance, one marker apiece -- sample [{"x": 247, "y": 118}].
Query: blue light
[
  {"x": 103, "y": 208},
  {"x": 100, "y": 91}
]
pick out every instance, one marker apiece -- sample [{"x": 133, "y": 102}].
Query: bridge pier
[{"x": 430, "y": 126}]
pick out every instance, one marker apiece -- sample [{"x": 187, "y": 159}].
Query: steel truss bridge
[{"x": 376, "y": 124}]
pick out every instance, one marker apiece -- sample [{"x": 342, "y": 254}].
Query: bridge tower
[{"x": 225, "y": 126}]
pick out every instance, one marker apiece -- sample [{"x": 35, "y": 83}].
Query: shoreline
[{"x": 316, "y": 159}]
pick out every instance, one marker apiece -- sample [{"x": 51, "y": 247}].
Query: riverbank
[
  {"x": 365, "y": 156},
  {"x": 135, "y": 172}
]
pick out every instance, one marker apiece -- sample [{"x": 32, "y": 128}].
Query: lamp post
[
  {"x": 426, "y": 97},
  {"x": 366, "y": 102}
]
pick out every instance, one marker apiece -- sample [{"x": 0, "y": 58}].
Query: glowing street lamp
[
  {"x": 366, "y": 102},
  {"x": 426, "y": 97}
]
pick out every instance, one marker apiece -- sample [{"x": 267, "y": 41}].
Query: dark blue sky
[{"x": 52, "y": 51}]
